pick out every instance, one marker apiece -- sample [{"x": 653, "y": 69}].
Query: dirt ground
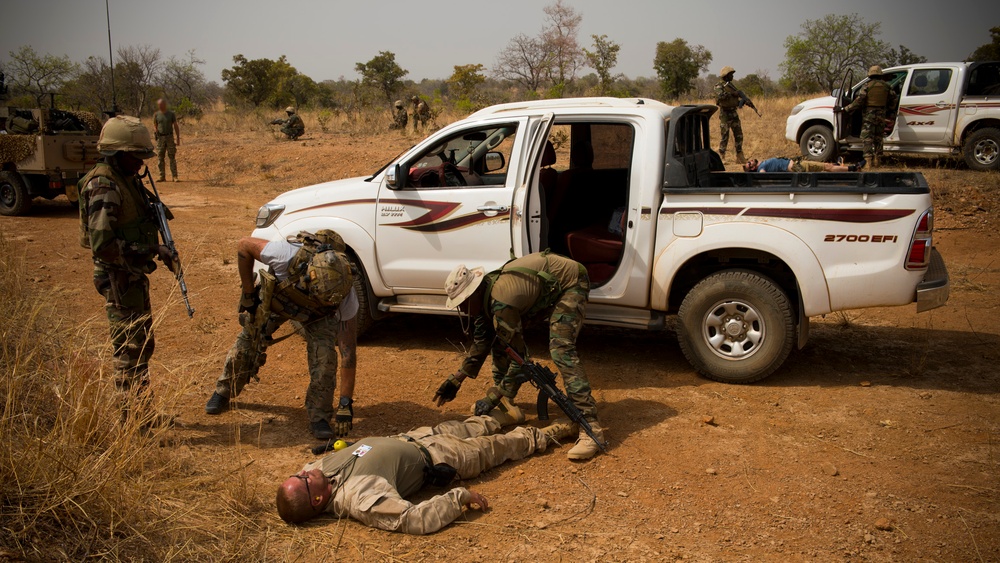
[{"x": 880, "y": 441}]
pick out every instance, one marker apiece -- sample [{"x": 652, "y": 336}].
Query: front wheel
[
  {"x": 982, "y": 149},
  {"x": 817, "y": 143},
  {"x": 14, "y": 198},
  {"x": 364, "y": 316},
  {"x": 736, "y": 326}
]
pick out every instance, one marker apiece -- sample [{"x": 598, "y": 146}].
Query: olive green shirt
[{"x": 164, "y": 122}]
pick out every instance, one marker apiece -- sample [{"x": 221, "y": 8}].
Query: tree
[
  {"x": 36, "y": 75},
  {"x": 383, "y": 73},
  {"x": 602, "y": 59},
  {"x": 183, "y": 78},
  {"x": 903, "y": 57},
  {"x": 91, "y": 89},
  {"x": 559, "y": 40},
  {"x": 466, "y": 79},
  {"x": 135, "y": 75},
  {"x": 990, "y": 51},
  {"x": 677, "y": 64},
  {"x": 826, "y": 48},
  {"x": 524, "y": 60}
]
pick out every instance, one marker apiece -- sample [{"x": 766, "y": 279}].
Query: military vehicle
[{"x": 43, "y": 153}]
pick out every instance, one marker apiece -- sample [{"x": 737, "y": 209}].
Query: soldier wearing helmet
[
  {"x": 877, "y": 100},
  {"x": 292, "y": 127},
  {"x": 118, "y": 226},
  {"x": 309, "y": 282},
  {"x": 399, "y": 116},
  {"x": 729, "y": 102},
  {"x": 421, "y": 113}
]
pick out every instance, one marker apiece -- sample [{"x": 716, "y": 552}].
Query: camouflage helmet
[
  {"x": 414, "y": 99},
  {"x": 128, "y": 134},
  {"x": 399, "y": 103},
  {"x": 290, "y": 109},
  {"x": 875, "y": 70},
  {"x": 726, "y": 70},
  {"x": 329, "y": 277}
]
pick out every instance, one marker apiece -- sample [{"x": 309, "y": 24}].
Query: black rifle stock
[
  {"x": 744, "y": 98},
  {"x": 163, "y": 225},
  {"x": 544, "y": 380}
]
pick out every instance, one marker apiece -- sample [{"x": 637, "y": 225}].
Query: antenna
[{"x": 111, "y": 62}]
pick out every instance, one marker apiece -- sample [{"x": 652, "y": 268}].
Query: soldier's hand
[
  {"x": 343, "y": 422},
  {"x": 447, "y": 391},
  {"x": 167, "y": 257},
  {"x": 249, "y": 303},
  {"x": 477, "y": 500}
]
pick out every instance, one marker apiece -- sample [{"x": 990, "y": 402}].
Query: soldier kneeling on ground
[
  {"x": 293, "y": 127},
  {"x": 310, "y": 283},
  {"x": 399, "y": 118},
  {"x": 533, "y": 286}
]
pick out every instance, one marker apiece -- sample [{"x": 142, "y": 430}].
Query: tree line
[{"x": 549, "y": 64}]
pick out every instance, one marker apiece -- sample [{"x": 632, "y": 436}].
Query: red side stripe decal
[{"x": 838, "y": 215}]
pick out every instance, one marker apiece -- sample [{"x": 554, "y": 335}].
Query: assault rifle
[
  {"x": 544, "y": 380},
  {"x": 163, "y": 217},
  {"x": 744, "y": 99}
]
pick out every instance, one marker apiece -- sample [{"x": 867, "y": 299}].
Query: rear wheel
[
  {"x": 982, "y": 149},
  {"x": 14, "y": 198},
  {"x": 736, "y": 326},
  {"x": 817, "y": 143}
]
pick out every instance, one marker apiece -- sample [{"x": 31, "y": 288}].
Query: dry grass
[{"x": 78, "y": 482}]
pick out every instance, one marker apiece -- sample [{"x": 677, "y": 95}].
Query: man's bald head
[
  {"x": 303, "y": 496},
  {"x": 161, "y": 104}
]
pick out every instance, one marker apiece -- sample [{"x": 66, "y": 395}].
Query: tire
[
  {"x": 817, "y": 143},
  {"x": 14, "y": 198},
  {"x": 982, "y": 149},
  {"x": 364, "y": 316},
  {"x": 751, "y": 305}
]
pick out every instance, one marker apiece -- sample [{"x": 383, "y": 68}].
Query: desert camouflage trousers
[
  {"x": 476, "y": 444},
  {"x": 565, "y": 323},
  {"x": 730, "y": 119},
  {"x": 130, "y": 318},
  {"x": 872, "y": 133},
  {"x": 166, "y": 149},
  {"x": 321, "y": 350}
]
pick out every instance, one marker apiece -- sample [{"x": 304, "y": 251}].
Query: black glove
[
  {"x": 447, "y": 391},
  {"x": 249, "y": 302},
  {"x": 343, "y": 422}
]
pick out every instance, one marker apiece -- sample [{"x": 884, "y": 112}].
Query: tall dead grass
[{"x": 76, "y": 480}]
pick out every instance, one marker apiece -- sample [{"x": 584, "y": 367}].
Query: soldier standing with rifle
[
  {"x": 876, "y": 98},
  {"x": 533, "y": 286},
  {"x": 730, "y": 100},
  {"x": 119, "y": 225},
  {"x": 312, "y": 286}
]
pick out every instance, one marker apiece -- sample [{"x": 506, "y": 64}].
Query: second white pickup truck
[{"x": 631, "y": 189}]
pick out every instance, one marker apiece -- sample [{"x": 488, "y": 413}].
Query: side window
[
  {"x": 929, "y": 81},
  {"x": 985, "y": 80},
  {"x": 473, "y": 157}
]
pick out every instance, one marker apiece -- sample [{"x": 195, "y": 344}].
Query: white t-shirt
[{"x": 277, "y": 254}]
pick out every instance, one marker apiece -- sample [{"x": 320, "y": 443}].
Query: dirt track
[{"x": 887, "y": 417}]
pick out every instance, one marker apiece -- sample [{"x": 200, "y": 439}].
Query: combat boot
[
  {"x": 217, "y": 404},
  {"x": 586, "y": 447},
  {"x": 740, "y": 159},
  {"x": 561, "y": 429},
  {"x": 507, "y": 413}
]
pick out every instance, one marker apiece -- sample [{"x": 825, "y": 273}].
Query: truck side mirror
[
  {"x": 835, "y": 93},
  {"x": 495, "y": 161},
  {"x": 395, "y": 178}
]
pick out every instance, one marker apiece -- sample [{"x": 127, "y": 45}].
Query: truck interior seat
[{"x": 598, "y": 248}]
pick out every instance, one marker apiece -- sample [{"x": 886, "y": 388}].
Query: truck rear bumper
[{"x": 933, "y": 291}]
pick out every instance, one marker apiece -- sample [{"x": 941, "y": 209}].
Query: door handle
[
  {"x": 493, "y": 209},
  {"x": 940, "y": 104}
]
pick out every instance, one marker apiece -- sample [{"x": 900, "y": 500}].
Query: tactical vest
[
  {"x": 878, "y": 94},
  {"x": 727, "y": 100},
  {"x": 135, "y": 226},
  {"x": 548, "y": 295}
]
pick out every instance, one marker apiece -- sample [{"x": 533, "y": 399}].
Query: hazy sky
[{"x": 325, "y": 38}]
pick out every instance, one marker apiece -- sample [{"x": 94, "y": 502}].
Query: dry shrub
[{"x": 76, "y": 480}]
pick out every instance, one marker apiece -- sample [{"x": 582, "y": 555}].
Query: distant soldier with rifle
[
  {"x": 877, "y": 99},
  {"x": 293, "y": 127},
  {"x": 533, "y": 286},
  {"x": 310, "y": 283},
  {"x": 119, "y": 222},
  {"x": 399, "y": 118},
  {"x": 730, "y": 99}
]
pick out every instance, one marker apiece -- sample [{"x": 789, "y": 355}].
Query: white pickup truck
[
  {"x": 944, "y": 108},
  {"x": 631, "y": 189}
]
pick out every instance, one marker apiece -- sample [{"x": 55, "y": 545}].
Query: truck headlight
[
  {"x": 269, "y": 213},
  {"x": 797, "y": 109}
]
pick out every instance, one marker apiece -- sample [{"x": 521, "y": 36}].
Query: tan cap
[
  {"x": 462, "y": 283},
  {"x": 726, "y": 70},
  {"x": 290, "y": 109},
  {"x": 125, "y": 133},
  {"x": 875, "y": 71}
]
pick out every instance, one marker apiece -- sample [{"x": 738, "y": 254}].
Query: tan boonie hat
[
  {"x": 875, "y": 71},
  {"x": 289, "y": 109},
  {"x": 125, "y": 133},
  {"x": 461, "y": 283},
  {"x": 726, "y": 70}
]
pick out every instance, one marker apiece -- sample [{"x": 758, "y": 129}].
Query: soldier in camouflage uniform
[
  {"x": 533, "y": 286},
  {"x": 168, "y": 138},
  {"x": 118, "y": 225},
  {"x": 293, "y": 127},
  {"x": 312, "y": 287},
  {"x": 876, "y": 98},
  {"x": 421, "y": 113},
  {"x": 399, "y": 117},
  {"x": 728, "y": 101}
]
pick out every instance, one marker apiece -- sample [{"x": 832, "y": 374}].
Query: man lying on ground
[
  {"x": 370, "y": 480},
  {"x": 796, "y": 165}
]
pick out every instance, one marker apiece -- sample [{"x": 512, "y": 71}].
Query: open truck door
[{"x": 842, "y": 121}]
